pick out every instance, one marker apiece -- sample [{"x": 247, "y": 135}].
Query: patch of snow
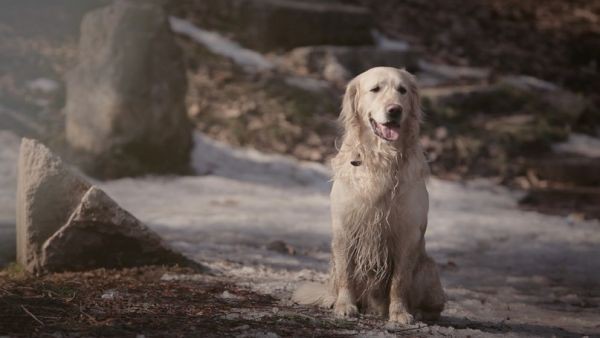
[
  {"x": 43, "y": 85},
  {"x": 110, "y": 294},
  {"x": 308, "y": 84},
  {"x": 215, "y": 158},
  {"x": 579, "y": 144},
  {"x": 228, "y": 295},
  {"x": 453, "y": 72},
  {"x": 168, "y": 277},
  {"x": 383, "y": 42},
  {"x": 530, "y": 82},
  {"x": 249, "y": 59}
]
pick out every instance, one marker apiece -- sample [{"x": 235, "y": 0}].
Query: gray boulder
[
  {"x": 285, "y": 24},
  {"x": 99, "y": 233},
  {"x": 125, "y": 110},
  {"x": 47, "y": 194},
  {"x": 66, "y": 224}
]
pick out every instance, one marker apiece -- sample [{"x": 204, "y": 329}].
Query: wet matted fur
[{"x": 379, "y": 206}]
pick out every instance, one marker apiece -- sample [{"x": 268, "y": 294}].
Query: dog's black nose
[{"x": 394, "y": 111}]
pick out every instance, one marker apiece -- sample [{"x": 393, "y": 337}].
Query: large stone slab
[
  {"x": 47, "y": 194},
  {"x": 285, "y": 24},
  {"x": 99, "y": 233},
  {"x": 125, "y": 110},
  {"x": 65, "y": 223}
]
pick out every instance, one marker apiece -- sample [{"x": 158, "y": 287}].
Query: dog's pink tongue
[{"x": 391, "y": 134}]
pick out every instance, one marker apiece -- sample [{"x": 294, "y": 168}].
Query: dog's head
[{"x": 384, "y": 102}]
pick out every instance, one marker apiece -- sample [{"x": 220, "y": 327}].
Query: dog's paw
[
  {"x": 400, "y": 316},
  {"x": 345, "y": 309}
]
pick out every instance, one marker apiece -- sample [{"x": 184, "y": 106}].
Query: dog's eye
[
  {"x": 375, "y": 89},
  {"x": 402, "y": 90}
]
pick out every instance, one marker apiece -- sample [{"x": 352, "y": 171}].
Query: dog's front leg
[
  {"x": 345, "y": 304},
  {"x": 399, "y": 287}
]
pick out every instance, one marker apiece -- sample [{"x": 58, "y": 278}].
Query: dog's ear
[
  {"x": 415, "y": 98},
  {"x": 349, "y": 115}
]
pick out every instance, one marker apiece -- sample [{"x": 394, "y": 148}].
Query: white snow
[
  {"x": 218, "y": 44},
  {"x": 579, "y": 144},
  {"x": 307, "y": 83},
  {"x": 383, "y": 42},
  {"x": 43, "y": 85},
  {"x": 453, "y": 72},
  {"x": 497, "y": 261},
  {"x": 529, "y": 82}
]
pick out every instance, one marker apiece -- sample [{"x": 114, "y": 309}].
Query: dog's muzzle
[{"x": 389, "y": 131}]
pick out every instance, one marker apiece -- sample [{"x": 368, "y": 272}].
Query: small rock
[
  {"x": 231, "y": 316},
  {"x": 110, "y": 294},
  {"x": 241, "y": 328},
  {"x": 281, "y": 247},
  {"x": 441, "y": 133}
]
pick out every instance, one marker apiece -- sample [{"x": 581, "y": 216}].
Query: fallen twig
[
  {"x": 407, "y": 329},
  {"x": 90, "y": 317},
  {"x": 32, "y": 315}
]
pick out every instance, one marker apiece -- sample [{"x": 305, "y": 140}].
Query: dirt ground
[{"x": 131, "y": 302}]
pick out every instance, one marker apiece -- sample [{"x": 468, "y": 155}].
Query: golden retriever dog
[{"x": 379, "y": 206}]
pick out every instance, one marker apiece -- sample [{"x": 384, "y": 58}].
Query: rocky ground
[
  {"x": 148, "y": 302},
  {"x": 260, "y": 223}
]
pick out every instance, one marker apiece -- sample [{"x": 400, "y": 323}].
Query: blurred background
[
  {"x": 510, "y": 88},
  {"x": 250, "y": 90}
]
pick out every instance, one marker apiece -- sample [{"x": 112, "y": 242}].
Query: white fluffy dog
[{"x": 379, "y": 206}]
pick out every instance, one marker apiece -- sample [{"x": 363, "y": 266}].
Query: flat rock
[
  {"x": 100, "y": 234},
  {"x": 285, "y": 24},
  {"x": 584, "y": 171}
]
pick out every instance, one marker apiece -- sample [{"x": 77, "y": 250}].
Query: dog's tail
[{"x": 313, "y": 294}]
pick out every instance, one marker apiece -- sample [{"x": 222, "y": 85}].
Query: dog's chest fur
[
  {"x": 372, "y": 220},
  {"x": 370, "y": 224}
]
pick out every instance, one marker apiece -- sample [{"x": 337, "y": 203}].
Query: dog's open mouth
[{"x": 389, "y": 131}]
